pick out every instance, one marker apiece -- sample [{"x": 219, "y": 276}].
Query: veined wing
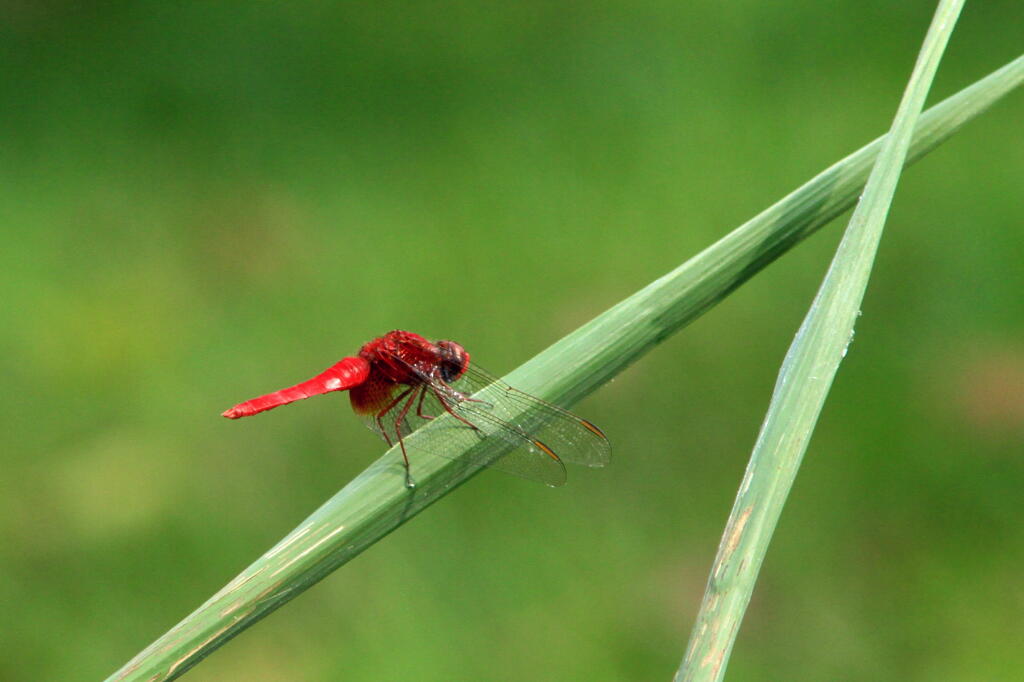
[
  {"x": 473, "y": 432},
  {"x": 573, "y": 439},
  {"x": 480, "y": 407}
]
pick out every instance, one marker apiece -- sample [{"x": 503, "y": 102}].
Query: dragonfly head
[{"x": 454, "y": 360}]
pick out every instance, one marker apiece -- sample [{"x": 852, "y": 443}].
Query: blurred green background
[{"x": 201, "y": 202}]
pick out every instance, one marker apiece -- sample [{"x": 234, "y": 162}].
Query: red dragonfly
[{"x": 401, "y": 381}]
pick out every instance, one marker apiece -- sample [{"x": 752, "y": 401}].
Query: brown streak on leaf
[
  {"x": 198, "y": 647},
  {"x": 735, "y": 532}
]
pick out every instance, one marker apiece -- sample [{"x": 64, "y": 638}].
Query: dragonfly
[{"x": 401, "y": 381}]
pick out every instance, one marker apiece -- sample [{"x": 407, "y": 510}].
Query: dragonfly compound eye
[{"x": 454, "y": 360}]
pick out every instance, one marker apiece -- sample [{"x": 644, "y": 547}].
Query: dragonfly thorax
[{"x": 402, "y": 357}]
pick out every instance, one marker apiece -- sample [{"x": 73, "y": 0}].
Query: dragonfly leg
[
  {"x": 419, "y": 408},
  {"x": 380, "y": 416},
  {"x": 448, "y": 409},
  {"x": 409, "y": 483},
  {"x": 463, "y": 396}
]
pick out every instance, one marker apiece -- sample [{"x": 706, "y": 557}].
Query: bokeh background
[{"x": 201, "y": 202}]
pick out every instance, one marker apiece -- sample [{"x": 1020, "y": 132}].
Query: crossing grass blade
[
  {"x": 804, "y": 381},
  {"x": 376, "y": 502}
]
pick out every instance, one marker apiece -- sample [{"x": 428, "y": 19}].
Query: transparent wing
[
  {"x": 573, "y": 439},
  {"x": 472, "y": 426},
  {"x": 486, "y": 417}
]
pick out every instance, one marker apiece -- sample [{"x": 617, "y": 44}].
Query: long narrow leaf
[
  {"x": 376, "y": 502},
  {"x": 804, "y": 382}
]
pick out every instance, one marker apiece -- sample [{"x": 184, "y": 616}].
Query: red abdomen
[{"x": 343, "y": 375}]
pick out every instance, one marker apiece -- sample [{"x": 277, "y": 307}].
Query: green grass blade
[
  {"x": 376, "y": 503},
  {"x": 804, "y": 382}
]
